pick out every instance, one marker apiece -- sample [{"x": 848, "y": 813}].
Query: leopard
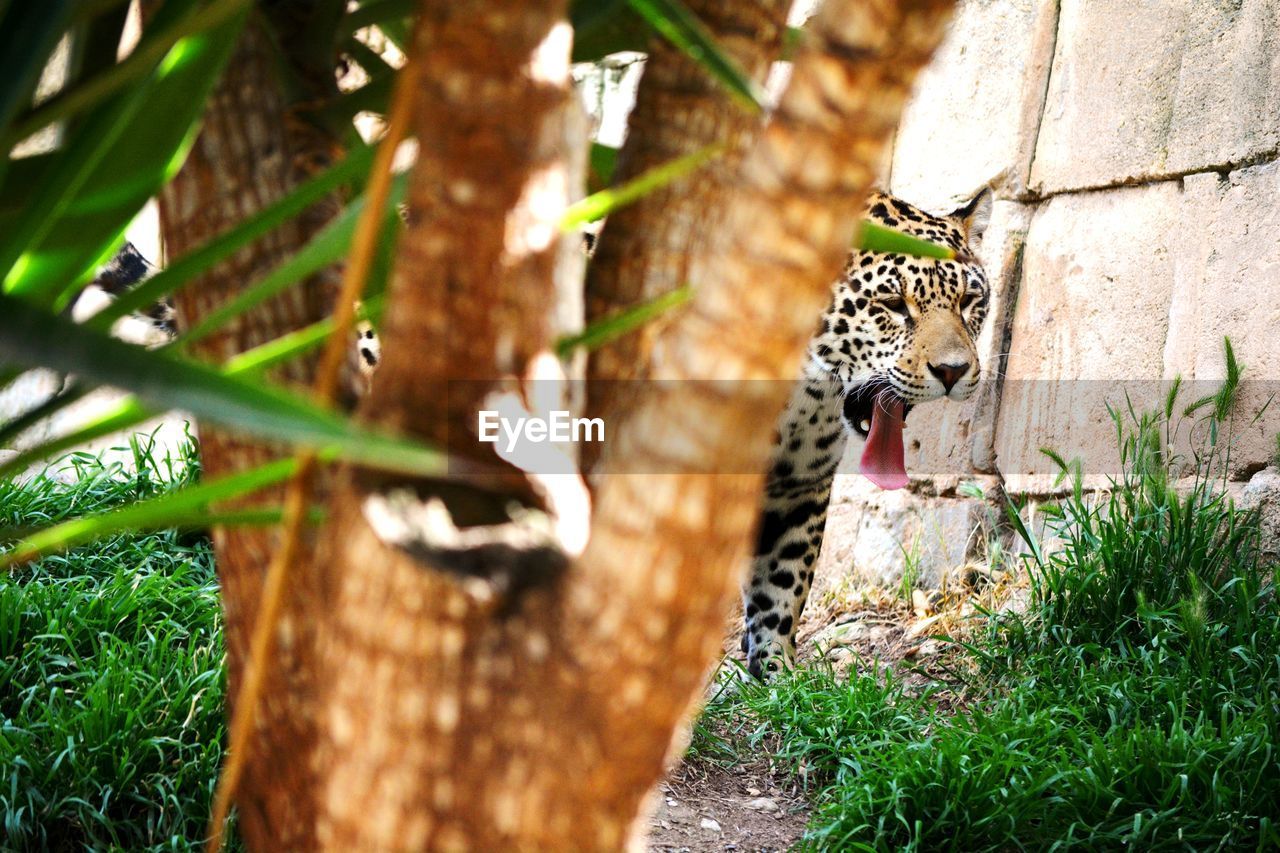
[
  {"x": 899, "y": 331},
  {"x": 156, "y": 325},
  {"x": 151, "y": 327}
]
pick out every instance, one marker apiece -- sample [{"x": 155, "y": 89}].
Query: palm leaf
[
  {"x": 601, "y": 166},
  {"x": 169, "y": 510},
  {"x": 195, "y": 263},
  {"x": 377, "y": 13},
  {"x": 125, "y": 413},
  {"x": 59, "y": 401},
  {"x": 90, "y": 225},
  {"x": 601, "y": 204},
  {"x": 328, "y": 246},
  {"x": 136, "y": 66},
  {"x": 31, "y": 336},
  {"x": 877, "y": 238},
  {"x": 390, "y": 16},
  {"x": 28, "y": 33},
  {"x": 602, "y": 27},
  {"x": 129, "y": 411},
  {"x": 627, "y": 320},
  {"x": 59, "y": 185},
  {"x": 289, "y": 346}
]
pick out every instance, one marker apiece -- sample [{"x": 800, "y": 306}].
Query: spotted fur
[
  {"x": 897, "y": 325},
  {"x": 151, "y": 327},
  {"x": 156, "y": 325}
]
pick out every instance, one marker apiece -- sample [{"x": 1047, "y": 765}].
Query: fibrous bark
[
  {"x": 646, "y": 248},
  {"x": 252, "y": 151},
  {"x": 460, "y": 716}
]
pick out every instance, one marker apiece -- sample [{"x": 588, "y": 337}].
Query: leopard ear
[
  {"x": 875, "y": 195},
  {"x": 975, "y": 215}
]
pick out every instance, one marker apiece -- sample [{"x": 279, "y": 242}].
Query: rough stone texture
[
  {"x": 975, "y": 113},
  {"x": 1121, "y": 292},
  {"x": 1090, "y": 325},
  {"x": 876, "y": 535},
  {"x": 1103, "y": 292},
  {"x": 1002, "y": 251},
  {"x": 1227, "y": 283},
  {"x": 1228, "y": 278},
  {"x": 1262, "y": 493},
  {"x": 1144, "y": 90}
]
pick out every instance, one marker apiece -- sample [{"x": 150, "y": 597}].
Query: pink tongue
[{"x": 882, "y": 458}]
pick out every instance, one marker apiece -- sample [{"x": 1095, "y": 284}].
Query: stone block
[
  {"x": 1262, "y": 493},
  {"x": 1227, "y": 284},
  {"x": 1228, "y": 275},
  {"x": 1002, "y": 251},
  {"x": 975, "y": 110},
  {"x": 1125, "y": 289},
  {"x": 1089, "y": 326},
  {"x": 1140, "y": 91}
]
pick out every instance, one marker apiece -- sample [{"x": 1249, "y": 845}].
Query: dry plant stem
[
  {"x": 298, "y": 492},
  {"x": 297, "y": 496}
]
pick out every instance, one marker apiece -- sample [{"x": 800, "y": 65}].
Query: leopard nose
[{"x": 949, "y": 374}]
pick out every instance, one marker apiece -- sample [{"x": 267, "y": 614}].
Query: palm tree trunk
[
  {"x": 646, "y": 248},
  {"x": 251, "y": 152},
  {"x": 459, "y": 713}
]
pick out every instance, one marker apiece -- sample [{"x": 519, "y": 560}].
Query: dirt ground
[
  {"x": 703, "y": 807},
  {"x": 756, "y": 805}
]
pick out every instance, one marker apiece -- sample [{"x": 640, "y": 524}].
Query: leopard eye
[
  {"x": 967, "y": 300},
  {"x": 896, "y": 304}
]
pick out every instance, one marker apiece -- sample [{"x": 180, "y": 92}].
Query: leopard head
[{"x": 903, "y": 330}]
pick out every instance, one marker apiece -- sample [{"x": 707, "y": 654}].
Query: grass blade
[{"x": 682, "y": 28}]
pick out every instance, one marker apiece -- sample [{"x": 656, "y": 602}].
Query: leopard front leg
[
  {"x": 789, "y": 540},
  {"x": 810, "y": 441}
]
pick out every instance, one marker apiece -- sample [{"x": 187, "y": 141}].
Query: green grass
[
  {"x": 1135, "y": 702},
  {"x": 111, "y": 681}
]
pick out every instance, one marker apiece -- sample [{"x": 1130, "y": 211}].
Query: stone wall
[{"x": 1135, "y": 153}]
